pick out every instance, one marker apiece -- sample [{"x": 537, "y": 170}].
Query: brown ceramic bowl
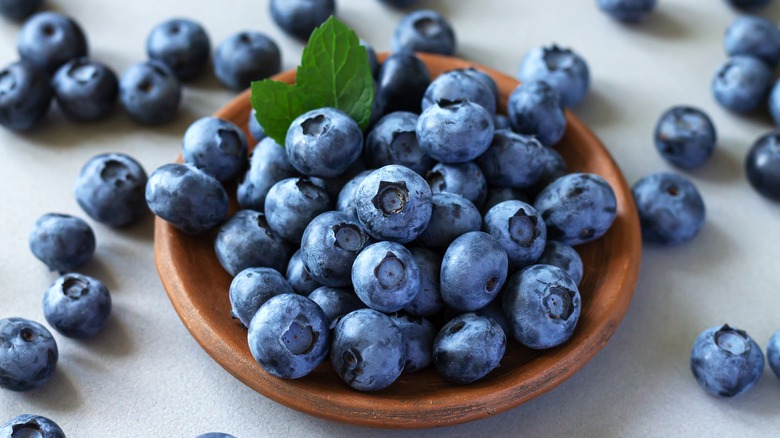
[{"x": 198, "y": 288}]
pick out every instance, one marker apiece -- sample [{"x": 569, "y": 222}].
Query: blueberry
[
  {"x": 535, "y": 109},
  {"x": 368, "y": 350},
  {"x": 393, "y": 141},
  {"x": 187, "y": 198},
  {"x": 452, "y": 216},
  {"x": 671, "y": 211},
  {"x": 542, "y": 306},
  {"x": 299, "y": 18},
  {"x": 562, "y": 68},
  {"x": 483, "y": 77},
  {"x": 61, "y": 241},
  {"x": 403, "y": 79},
  {"x": 773, "y": 353},
  {"x": 399, "y": 3},
  {"x": 513, "y": 160},
  {"x": 215, "y": 435},
  {"x": 468, "y": 348},
  {"x": 459, "y": 85},
  {"x": 473, "y": 271},
  {"x": 520, "y": 230},
  {"x": 577, "y": 208},
  {"x": 245, "y": 57},
  {"x": 257, "y": 131},
  {"x": 86, "y": 90},
  {"x": 419, "y": 334},
  {"x": 386, "y": 277},
  {"x": 31, "y": 426},
  {"x": 501, "y": 121},
  {"x": 629, "y": 11},
  {"x": 18, "y": 10},
  {"x": 742, "y": 83},
  {"x": 110, "y": 189},
  {"x": 150, "y": 93},
  {"x": 394, "y": 203},
  {"x": 291, "y": 204},
  {"x": 552, "y": 167},
  {"x": 182, "y": 45},
  {"x": 77, "y": 306},
  {"x": 336, "y": 302},
  {"x": 726, "y": 361},
  {"x": 346, "y": 199},
  {"x": 215, "y": 146},
  {"x": 298, "y": 276},
  {"x": 28, "y": 355},
  {"x": 748, "y": 4},
  {"x": 495, "y": 311},
  {"x": 323, "y": 142},
  {"x": 25, "y": 96},
  {"x": 246, "y": 240},
  {"x": 373, "y": 61},
  {"x": 428, "y": 301},
  {"x": 424, "y": 31},
  {"x": 289, "y": 336},
  {"x": 685, "y": 137},
  {"x": 464, "y": 179},
  {"x": 268, "y": 165},
  {"x": 329, "y": 246},
  {"x": 565, "y": 257},
  {"x": 753, "y": 36},
  {"x": 497, "y": 195},
  {"x": 251, "y": 288},
  {"x": 455, "y": 131},
  {"x": 48, "y": 39},
  {"x": 763, "y": 166}
]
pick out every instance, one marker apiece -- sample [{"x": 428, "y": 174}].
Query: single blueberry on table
[
  {"x": 289, "y": 336},
  {"x": 18, "y": 10},
  {"x": 268, "y": 164},
  {"x": 773, "y": 353},
  {"x": 25, "y": 96},
  {"x": 726, "y": 361},
  {"x": 424, "y": 31},
  {"x": 753, "y": 36},
  {"x": 61, "y": 241},
  {"x": 455, "y": 131},
  {"x": 368, "y": 350},
  {"x": 246, "y": 240},
  {"x": 85, "y": 90},
  {"x": 748, "y": 5},
  {"x": 742, "y": 83},
  {"x": 346, "y": 200},
  {"x": 324, "y": 142},
  {"x": 32, "y": 426},
  {"x": 428, "y": 301},
  {"x": 386, "y": 277},
  {"x": 629, "y": 11},
  {"x": 77, "y": 306},
  {"x": 520, "y": 230},
  {"x": 459, "y": 85},
  {"x": 150, "y": 93},
  {"x": 336, "y": 302},
  {"x": 291, "y": 204},
  {"x": 403, "y": 79},
  {"x": 671, "y": 210},
  {"x": 565, "y": 257},
  {"x": 245, "y": 57},
  {"x": 473, "y": 271},
  {"x": 468, "y": 348},
  {"x": 513, "y": 160},
  {"x": 299, "y": 18},
  {"x": 251, "y": 288},
  {"x": 464, "y": 179},
  {"x": 542, "y": 306},
  {"x": 561, "y": 68},
  {"x": 419, "y": 334},
  {"x": 763, "y": 165},
  {"x": 298, "y": 276},
  {"x": 534, "y": 108},
  {"x": 497, "y": 195},
  {"x": 48, "y": 39},
  {"x": 28, "y": 354},
  {"x": 215, "y": 146},
  {"x": 329, "y": 246},
  {"x": 187, "y": 198},
  {"x": 393, "y": 140},
  {"x": 257, "y": 131},
  {"x": 181, "y": 44},
  {"x": 685, "y": 137},
  {"x": 452, "y": 216}
]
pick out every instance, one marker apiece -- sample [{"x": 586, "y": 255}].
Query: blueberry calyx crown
[
  {"x": 391, "y": 197},
  {"x": 300, "y": 338},
  {"x": 82, "y": 71},
  {"x": 428, "y": 27},
  {"x": 348, "y": 237},
  {"x": 557, "y": 58},
  {"x": 308, "y": 188},
  {"x": 74, "y": 287},
  {"x": 558, "y": 303},
  {"x": 733, "y": 341},
  {"x": 229, "y": 142},
  {"x": 436, "y": 181},
  {"x": 390, "y": 271},
  {"x": 523, "y": 227},
  {"x": 30, "y": 428},
  {"x": 116, "y": 172},
  {"x": 316, "y": 126}
]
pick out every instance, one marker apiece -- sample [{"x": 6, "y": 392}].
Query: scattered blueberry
[
  {"x": 520, "y": 230},
  {"x": 298, "y": 276},
  {"x": 329, "y": 246},
  {"x": 300, "y": 17},
  {"x": 86, "y": 90},
  {"x": 393, "y": 140},
  {"x": 773, "y": 353},
  {"x": 336, "y": 302},
  {"x": 110, "y": 189},
  {"x": 629, "y": 11},
  {"x": 513, "y": 160},
  {"x": 18, "y": 10},
  {"x": 77, "y": 306},
  {"x": 428, "y": 301},
  {"x": 291, "y": 204},
  {"x": 565, "y": 257},
  {"x": 726, "y": 361},
  {"x": 150, "y": 93},
  {"x": 742, "y": 83},
  {"x": 403, "y": 79},
  {"x": 28, "y": 355},
  {"x": 419, "y": 334},
  {"x": 455, "y": 131},
  {"x": 182, "y": 45},
  {"x": 763, "y": 166},
  {"x": 468, "y": 348},
  {"x": 246, "y": 240},
  {"x": 424, "y": 31},
  {"x": 685, "y": 137},
  {"x": 464, "y": 179},
  {"x": 245, "y": 57},
  {"x": 215, "y": 146},
  {"x": 562, "y": 68},
  {"x": 268, "y": 165},
  {"x": 534, "y": 108},
  {"x": 48, "y": 39},
  {"x": 473, "y": 271},
  {"x": 346, "y": 200},
  {"x": 452, "y": 216},
  {"x": 671, "y": 211},
  {"x": 25, "y": 96},
  {"x": 324, "y": 142},
  {"x": 61, "y": 241},
  {"x": 386, "y": 277},
  {"x": 754, "y": 36},
  {"x": 251, "y": 288},
  {"x": 459, "y": 85},
  {"x": 257, "y": 131},
  {"x": 31, "y": 426}
]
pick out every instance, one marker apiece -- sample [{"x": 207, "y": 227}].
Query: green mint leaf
[
  {"x": 277, "y": 105},
  {"x": 335, "y": 72}
]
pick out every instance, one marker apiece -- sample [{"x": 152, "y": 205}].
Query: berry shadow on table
[{"x": 58, "y": 395}]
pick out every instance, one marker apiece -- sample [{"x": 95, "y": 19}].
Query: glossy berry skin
[
  {"x": 726, "y": 361},
  {"x": 216, "y": 146},
  {"x": 18, "y": 10},
  {"x": 685, "y": 137},
  {"x": 110, "y": 189},
  {"x": 257, "y": 131},
  {"x": 251, "y": 288},
  {"x": 291, "y": 204},
  {"x": 748, "y": 5},
  {"x": 428, "y": 301},
  {"x": 48, "y": 40},
  {"x": 245, "y": 57},
  {"x": 424, "y": 31},
  {"x": 336, "y": 302},
  {"x": 77, "y": 306},
  {"x": 763, "y": 166},
  {"x": 368, "y": 350},
  {"x": 419, "y": 334},
  {"x": 298, "y": 276},
  {"x": 268, "y": 164},
  {"x": 773, "y": 353},
  {"x": 774, "y": 103},
  {"x": 534, "y": 109},
  {"x": 464, "y": 179},
  {"x": 289, "y": 336},
  {"x": 562, "y": 68},
  {"x": 483, "y": 77},
  {"x": 246, "y": 240},
  {"x": 552, "y": 168},
  {"x": 455, "y": 132},
  {"x": 329, "y": 246},
  {"x": 299, "y": 18},
  {"x": 452, "y": 216},
  {"x": 497, "y": 195},
  {"x": 386, "y": 277},
  {"x": 28, "y": 354},
  {"x": 181, "y": 44},
  {"x": 393, "y": 141},
  {"x": 542, "y": 306},
  {"x": 187, "y": 198},
  {"x": 565, "y": 257},
  {"x": 629, "y": 11},
  {"x": 520, "y": 230},
  {"x": 31, "y": 426},
  {"x": 61, "y": 241},
  {"x": 513, "y": 160},
  {"x": 473, "y": 271},
  {"x": 671, "y": 210},
  {"x": 468, "y": 348},
  {"x": 753, "y": 36},
  {"x": 403, "y": 79},
  {"x": 346, "y": 200},
  {"x": 459, "y": 85},
  {"x": 150, "y": 93},
  {"x": 85, "y": 90},
  {"x": 742, "y": 83},
  {"x": 25, "y": 96},
  {"x": 323, "y": 142},
  {"x": 394, "y": 203},
  {"x": 577, "y": 208}
]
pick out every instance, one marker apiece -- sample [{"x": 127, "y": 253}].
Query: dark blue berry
[
  {"x": 85, "y": 90},
  {"x": 182, "y": 45},
  {"x": 28, "y": 355},
  {"x": 245, "y": 57},
  {"x": 61, "y": 241},
  {"x": 77, "y": 306},
  {"x": 48, "y": 40}
]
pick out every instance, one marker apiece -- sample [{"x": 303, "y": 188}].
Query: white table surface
[{"x": 145, "y": 375}]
